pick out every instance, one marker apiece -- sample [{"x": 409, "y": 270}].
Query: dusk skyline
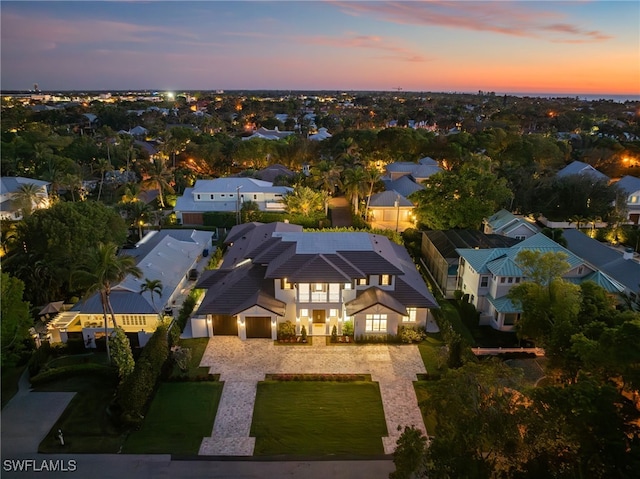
[{"x": 577, "y": 47}]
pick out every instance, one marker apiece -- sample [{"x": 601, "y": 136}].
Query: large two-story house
[
  {"x": 227, "y": 195},
  {"x": 487, "y": 275},
  {"x": 275, "y": 272}
]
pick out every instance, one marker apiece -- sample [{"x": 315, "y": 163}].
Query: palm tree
[
  {"x": 138, "y": 212},
  {"x": 326, "y": 176},
  {"x": 372, "y": 175},
  {"x": 130, "y": 192},
  {"x": 154, "y": 286},
  {"x": 103, "y": 166},
  {"x": 29, "y": 197},
  {"x": 355, "y": 185},
  {"x": 100, "y": 269},
  {"x": 159, "y": 177},
  {"x": 303, "y": 201}
]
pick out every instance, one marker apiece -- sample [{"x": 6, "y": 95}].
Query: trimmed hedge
[
  {"x": 219, "y": 219},
  {"x": 188, "y": 305},
  {"x": 138, "y": 388},
  {"x": 318, "y": 377},
  {"x": 92, "y": 369}
]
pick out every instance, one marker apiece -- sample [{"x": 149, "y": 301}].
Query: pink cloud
[
  {"x": 505, "y": 18},
  {"x": 367, "y": 42}
]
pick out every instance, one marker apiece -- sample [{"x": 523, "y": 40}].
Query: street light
[
  {"x": 238, "y": 215},
  {"x": 396, "y": 203}
]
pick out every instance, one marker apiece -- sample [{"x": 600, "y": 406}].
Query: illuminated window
[
  {"x": 285, "y": 284},
  {"x": 363, "y": 281},
  {"x": 376, "y": 323},
  {"x": 385, "y": 279},
  {"x": 347, "y": 285},
  {"x": 304, "y": 313},
  {"x": 303, "y": 292},
  {"x": 333, "y": 313},
  {"x": 412, "y": 315}
]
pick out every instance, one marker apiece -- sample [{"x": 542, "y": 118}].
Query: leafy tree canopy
[
  {"x": 460, "y": 198},
  {"x": 14, "y": 318}
]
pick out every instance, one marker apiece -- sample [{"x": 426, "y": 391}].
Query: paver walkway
[{"x": 241, "y": 364}]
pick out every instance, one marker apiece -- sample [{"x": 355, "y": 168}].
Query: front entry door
[{"x": 319, "y": 320}]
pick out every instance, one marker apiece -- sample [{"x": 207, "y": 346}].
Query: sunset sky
[{"x": 574, "y": 47}]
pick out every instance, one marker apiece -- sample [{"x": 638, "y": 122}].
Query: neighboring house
[
  {"x": 227, "y": 195},
  {"x": 580, "y": 168},
  {"x": 270, "y": 173},
  {"x": 442, "y": 260},
  {"x": 390, "y": 210},
  {"x": 167, "y": 256},
  {"x": 629, "y": 186},
  {"x": 423, "y": 169},
  {"x": 617, "y": 265},
  {"x": 267, "y": 134},
  {"x": 322, "y": 134},
  {"x": 507, "y": 224},
  {"x": 275, "y": 272},
  {"x": 487, "y": 275},
  {"x": 9, "y": 186},
  {"x": 403, "y": 185}
]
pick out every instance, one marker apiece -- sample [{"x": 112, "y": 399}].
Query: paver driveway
[{"x": 241, "y": 364}]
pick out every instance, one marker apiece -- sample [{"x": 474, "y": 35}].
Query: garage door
[
  {"x": 225, "y": 325},
  {"x": 192, "y": 219},
  {"x": 258, "y": 326},
  {"x": 389, "y": 215}
]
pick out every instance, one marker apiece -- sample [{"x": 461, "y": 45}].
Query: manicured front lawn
[
  {"x": 181, "y": 414},
  {"x": 85, "y": 423},
  {"x": 431, "y": 352},
  {"x": 422, "y": 393},
  {"x": 197, "y": 347},
  {"x": 318, "y": 418}
]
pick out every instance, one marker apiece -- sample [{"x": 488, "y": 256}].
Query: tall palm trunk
[{"x": 105, "y": 306}]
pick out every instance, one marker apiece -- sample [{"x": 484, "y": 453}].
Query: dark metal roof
[
  {"x": 372, "y": 296},
  {"x": 123, "y": 302},
  {"x": 447, "y": 241},
  {"x": 604, "y": 258},
  {"x": 238, "y": 289}
]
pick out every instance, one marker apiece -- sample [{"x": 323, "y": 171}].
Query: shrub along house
[{"x": 275, "y": 272}]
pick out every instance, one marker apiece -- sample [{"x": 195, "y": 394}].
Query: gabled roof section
[
  {"x": 504, "y": 221},
  {"x": 233, "y": 291},
  {"x": 403, "y": 185},
  {"x": 580, "y": 168},
  {"x": 604, "y": 258},
  {"x": 10, "y": 184},
  {"x": 427, "y": 160},
  {"x": 425, "y": 171},
  {"x": 504, "y": 304},
  {"x": 371, "y": 297},
  {"x": 628, "y": 184},
  {"x": 388, "y": 199},
  {"x": 410, "y": 288},
  {"x": 504, "y": 266},
  {"x": 601, "y": 279},
  {"x": 478, "y": 258}
]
